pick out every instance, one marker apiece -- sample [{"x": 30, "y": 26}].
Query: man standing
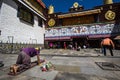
[
  {"x": 107, "y": 43},
  {"x": 65, "y": 46}
]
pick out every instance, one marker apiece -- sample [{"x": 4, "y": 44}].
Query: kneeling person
[{"x": 24, "y": 59}]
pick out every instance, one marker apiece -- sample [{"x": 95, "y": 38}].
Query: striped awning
[
  {"x": 57, "y": 38},
  {"x": 99, "y": 36}
]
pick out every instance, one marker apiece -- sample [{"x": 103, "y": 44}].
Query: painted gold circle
[
  {"x": 110, "y": 15},
  {"x": 51, "y": 22},
  {"x": 75, "y": 4}
]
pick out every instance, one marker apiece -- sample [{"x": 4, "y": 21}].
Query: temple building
[
  {"x": 84, "y": 27},
  {"x": 22, "y": 21}
]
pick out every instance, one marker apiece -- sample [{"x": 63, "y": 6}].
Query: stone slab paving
[
  {"x": 76, "y": 76},
  {"x": 88, "y": 70},
  {"x": 36, "y": 72},
  {"x": 82, "y": 52},
  {"x": 87, "y": 65}
]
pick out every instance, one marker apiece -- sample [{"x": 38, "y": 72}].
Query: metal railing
[{"x": 14, "y": 47}]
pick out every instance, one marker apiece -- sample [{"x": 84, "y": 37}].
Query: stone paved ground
[
  {"x": 74, "y": 76},
  {"x": 82, "y": 52},
  {"x": 80, "y": 65}
]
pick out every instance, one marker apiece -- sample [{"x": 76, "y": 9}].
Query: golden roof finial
[
  {"x": 51, "y": 9},
  {"x": 108, "y": 1}
]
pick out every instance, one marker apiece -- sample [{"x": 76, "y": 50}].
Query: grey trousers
[{"x": 23, "y": 59}]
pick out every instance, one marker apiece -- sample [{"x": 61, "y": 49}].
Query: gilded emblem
[
  {"x": 51, "y": 22},
  {"x": 110, "y": 15},
  {"x": 75, "y": 4}
]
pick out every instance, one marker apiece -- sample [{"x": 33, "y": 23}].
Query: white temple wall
[{"x": 13, "y": 28}]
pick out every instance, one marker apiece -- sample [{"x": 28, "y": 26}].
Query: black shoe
[{"x": 1, "y": 64}]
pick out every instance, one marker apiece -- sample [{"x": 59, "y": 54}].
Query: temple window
[
  {"x": 25, "y": 15},
  {"x": 40, "y": 22}
]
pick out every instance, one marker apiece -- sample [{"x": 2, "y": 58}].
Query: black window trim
[{"x": 28, "y": 11}]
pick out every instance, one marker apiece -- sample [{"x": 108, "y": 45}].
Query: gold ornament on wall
[
  {"x": 110, "y": 15},
  {"x": 51, "y": 22}
]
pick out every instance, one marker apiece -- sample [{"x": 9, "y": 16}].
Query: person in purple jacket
[{"x": 24, "y": 58}]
